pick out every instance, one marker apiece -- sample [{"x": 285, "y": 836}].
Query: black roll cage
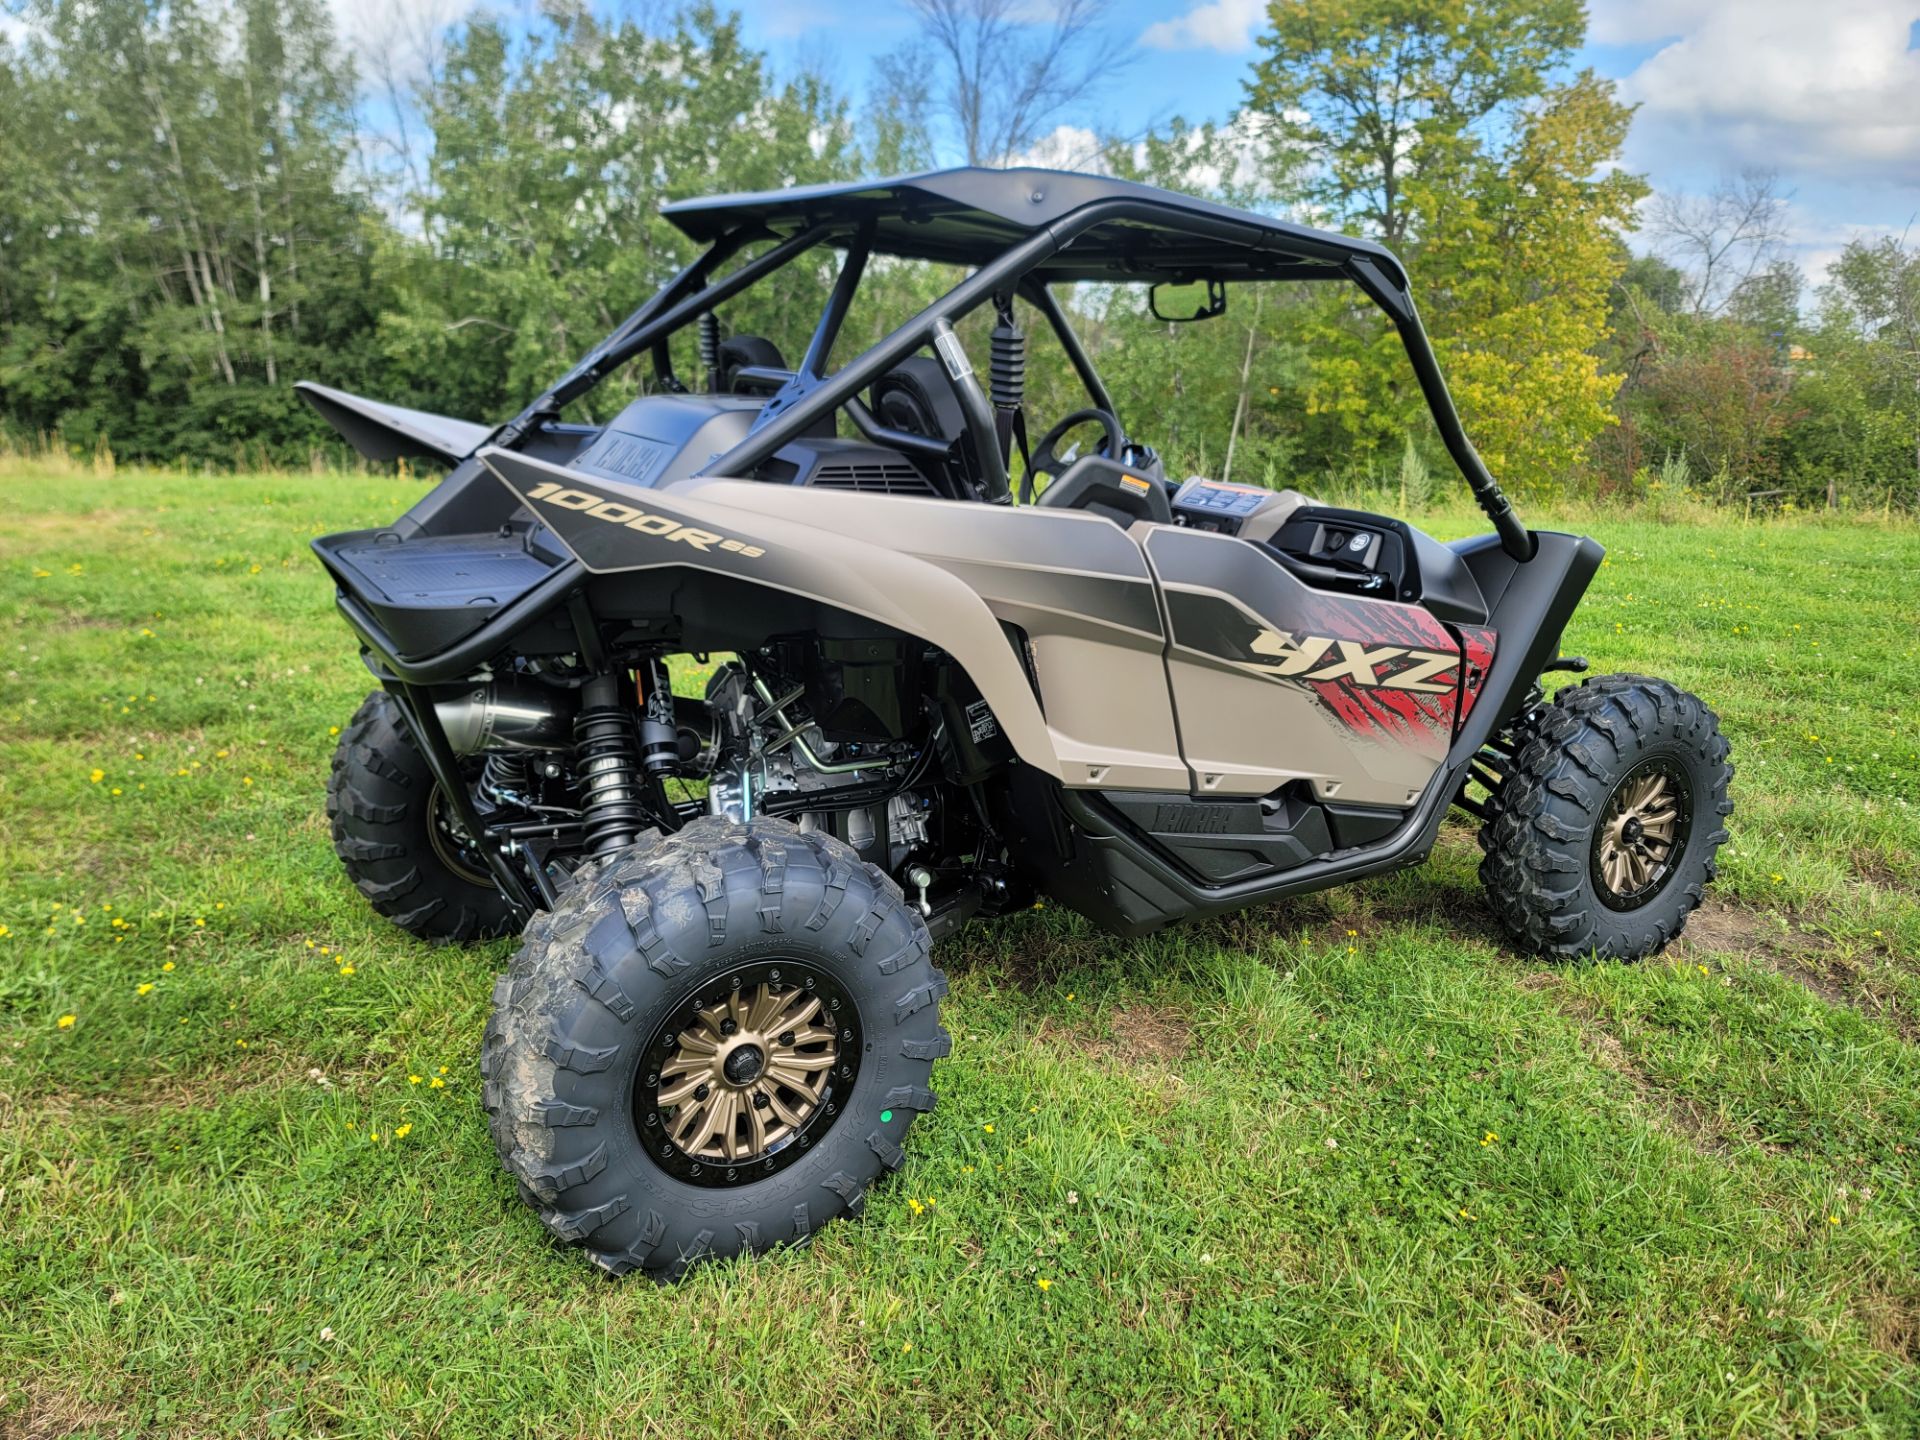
[{"x": 809, "y": 393}]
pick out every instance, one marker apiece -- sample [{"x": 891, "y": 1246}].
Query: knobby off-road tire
[
  {"x": 584, "y": 1043},
  {"x": 1555, "y": 831},
  {"x": 381, "y": 800}
]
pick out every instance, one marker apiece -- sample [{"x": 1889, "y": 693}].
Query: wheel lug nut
[
  {"x": 702, "y": 1092},
  {"x": 728, "y": 1026},
  {"x": 759, "y": 1100},
  {"x": 786, "y": 1037}
]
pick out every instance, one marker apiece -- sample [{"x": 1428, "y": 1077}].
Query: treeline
[{"x": 197, "y": 210}]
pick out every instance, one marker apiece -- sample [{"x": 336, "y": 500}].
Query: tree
[
  {"x": 1875, "y": 285},
  {"x": 1436, "y": 126},
  {"x": 1003, "y": 70},
  {"x": 1390, "y": 94},
  {"x": 194, "y": 243},
  {"x": 1723, "y": 241},
  {"x": 553, "y": 152}
]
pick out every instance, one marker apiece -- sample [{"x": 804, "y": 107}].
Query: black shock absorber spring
[
  {"x": 505, "y": 777},
  {"x": 606, "y": 757},
  {"x": 708, "y": 332},
  {"x": 1007, "y": 363}
]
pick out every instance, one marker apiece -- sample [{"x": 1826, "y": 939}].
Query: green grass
[{"x": 1342, "y": 1166}]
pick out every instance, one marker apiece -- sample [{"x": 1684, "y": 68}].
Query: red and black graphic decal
[{"x": 1387, "y": 672}]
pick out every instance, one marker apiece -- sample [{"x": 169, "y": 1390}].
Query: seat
[
  {"x": 1107, "y": 488},
  {"x": 917, "y": 396}
]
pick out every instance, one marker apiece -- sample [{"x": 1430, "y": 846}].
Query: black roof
[{"x": 968, "y": 216}]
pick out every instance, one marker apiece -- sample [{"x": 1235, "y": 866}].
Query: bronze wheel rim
[
  {"x": 748, "y": 1074},
  {"x": 1643, "y": 830}
]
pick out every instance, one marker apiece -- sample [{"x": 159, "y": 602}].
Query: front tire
[
  {"x": 713, "y": 1045},
  {"x": 1602, "y": 837}
]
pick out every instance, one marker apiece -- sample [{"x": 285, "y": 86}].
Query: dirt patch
[
  {"x": 1786, "y": 946},
  {"x": 1891, "y": 1320},
  {"x": 1678, "y": 1115},
  {"x": 1152, "y": 1034},
  {"x": 1870, "y": 867},
  {"x": 1140, "y": 1038},
  {"x": 204, "y": 1087},
  {"x": 55, "y": 1408}
]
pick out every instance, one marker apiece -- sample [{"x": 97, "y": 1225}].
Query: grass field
[{"x": 1346, "y": 1165}]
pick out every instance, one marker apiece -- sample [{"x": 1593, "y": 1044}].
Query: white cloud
[
  {"x": 14, "y": 29},
  {"x": 1065, "y": 147},
  {"x": 1639, "y": 22},
  {"x": 398, "y": 39},
  {"x": 1829, "y": 90},
  {"x": 1223, "y": 25}
]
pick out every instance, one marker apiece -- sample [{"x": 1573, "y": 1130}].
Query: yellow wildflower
[
  {"x": 97, "y": 776},
  {"x": 1044, "y": 1283},
  {"x": 167, "y": 966},
  {"x": 65, "y": 1022},
  {"x": 413, "y": 1079},
  {"x": 401, "y": 1132},
  {"x": 145, "y": 988}
]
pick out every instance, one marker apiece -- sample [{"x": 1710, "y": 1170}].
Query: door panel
[{"x": 1274, "y": 681}]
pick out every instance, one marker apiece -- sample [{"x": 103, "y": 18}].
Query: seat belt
[{"x": 1013, "y": 424}]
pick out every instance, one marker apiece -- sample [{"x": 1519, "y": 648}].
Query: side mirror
[{"x": 1178, "y": 304}]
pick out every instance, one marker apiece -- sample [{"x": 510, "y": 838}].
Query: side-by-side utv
[{"x": 931, "y": 700}]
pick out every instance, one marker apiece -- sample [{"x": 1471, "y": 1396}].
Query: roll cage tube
[
  {"x": 1397, "y": 301},
  {"x": 692, "y": 294},
  {"x": 647, "y": 326}
]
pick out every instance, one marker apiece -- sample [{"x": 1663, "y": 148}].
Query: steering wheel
[{"x": 1043, "y": 460}]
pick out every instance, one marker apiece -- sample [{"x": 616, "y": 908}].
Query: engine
[
  {"x": 834, "y": 734},
  {"x": 772, "y": 753}
]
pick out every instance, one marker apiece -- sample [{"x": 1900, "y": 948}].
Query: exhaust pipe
[{"x": 507, "y": 715}]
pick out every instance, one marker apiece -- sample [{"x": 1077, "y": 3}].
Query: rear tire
[
  {"x": 1601, "y": 840},
  {"x": 674, "y": 937},
  {"x": 382, "y": 802}
]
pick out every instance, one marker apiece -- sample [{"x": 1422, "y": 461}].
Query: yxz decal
[
  {"x": 1388, "y": 672},
  {"x": 1394, "y": 666},
  {"x": 632, "y": 517}
]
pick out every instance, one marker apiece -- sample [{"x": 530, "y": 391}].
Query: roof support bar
[
  {"x": 652, "y": 323},
  {"x": 812, "y": 372},
  {"x": 1041, "y": 297},
  {"x": 860, "y": 372},
  {"x": 1395, "y": 299}
]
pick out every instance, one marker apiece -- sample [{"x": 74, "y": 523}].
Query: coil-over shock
[{"x": 606, "y": 758}]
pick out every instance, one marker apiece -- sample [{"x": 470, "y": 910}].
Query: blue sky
[{"x": 1826, "y": 93}]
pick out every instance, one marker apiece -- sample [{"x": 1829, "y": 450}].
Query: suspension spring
[
  {"x": 606, "y": 758},
  {"x": 708, "y": 332},
  {"x": 1007, "y": 363},
  {"x": 506, "y": 775}
]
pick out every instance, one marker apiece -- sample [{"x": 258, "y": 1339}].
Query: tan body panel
[
  {"x": 947, "y": 573},
  {"x": 1234, "y": 610}
]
